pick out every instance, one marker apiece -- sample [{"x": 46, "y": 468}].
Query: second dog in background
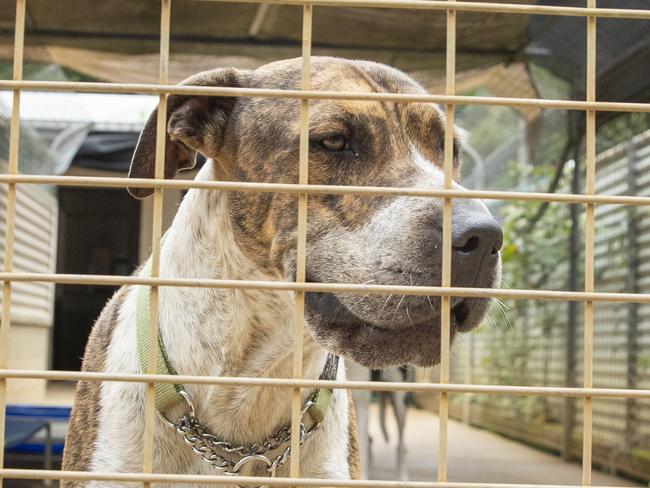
[{"x": 398, "y": 401}]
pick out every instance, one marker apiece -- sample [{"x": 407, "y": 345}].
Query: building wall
[
  {"x": 31, "y": 303},
  {"x": 28, "y": 349}
]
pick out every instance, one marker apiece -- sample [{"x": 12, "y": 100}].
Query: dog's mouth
[
  {"x": 460, "y": 313},
  {"x": 377, "y": 345}
]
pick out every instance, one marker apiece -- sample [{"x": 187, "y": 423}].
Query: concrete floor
[{"x": 474, "y": 455}]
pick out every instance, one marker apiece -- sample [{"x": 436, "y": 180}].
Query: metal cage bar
[
  {"x": 590, "y": 180},
  {"x": 453, "y": 291},
  {"x": 254, "y": 481},
  {"x": 301, "y": 255},
  {"x": 10, "y": 218},
  {"x": 546, "y": 391},
  {"x": 445, "y": 301},
  {"x": 156, "y": 236},
  {"x": 290, "y": 188},
  {"x": 156, "y": 89}
]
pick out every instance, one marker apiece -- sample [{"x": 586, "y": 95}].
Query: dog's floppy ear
[{"x": 194, "y": 124}]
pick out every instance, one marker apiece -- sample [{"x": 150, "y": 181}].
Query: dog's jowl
[{"x": 252, "y": 236}]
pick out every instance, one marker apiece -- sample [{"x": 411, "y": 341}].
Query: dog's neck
[{"x": 211, "y": 331}]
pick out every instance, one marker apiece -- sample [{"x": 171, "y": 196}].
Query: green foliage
[
  {"x": 533, "y": 257},
  {"x": 488, "y": 126}
]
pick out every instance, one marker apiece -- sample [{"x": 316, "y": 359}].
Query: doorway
[{"x": 98, "y": 234}]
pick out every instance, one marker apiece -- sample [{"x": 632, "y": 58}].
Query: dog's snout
[{"x": 477, "y": 237}]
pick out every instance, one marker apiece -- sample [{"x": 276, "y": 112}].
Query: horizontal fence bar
[
  {"x": 544, "y": 391},
  {"x": 151, "y": 89},
  {"x": 42, "y": 474},
  {"x": 291, "y": 188},
  {"x": 438, "y": 291},
  {"x": 503, "y": 8}
]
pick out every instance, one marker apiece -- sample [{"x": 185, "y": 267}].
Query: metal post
[
  {"x": 569, "y": 419},
  {"x": 632, "y": 286}
]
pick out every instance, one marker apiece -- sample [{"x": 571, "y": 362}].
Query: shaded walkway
[{"x": 474, "y": 455}]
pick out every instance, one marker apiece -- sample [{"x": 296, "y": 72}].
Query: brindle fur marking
[
  {"x": 82, "y": 431},
  {"x": 354, "y": 459}
]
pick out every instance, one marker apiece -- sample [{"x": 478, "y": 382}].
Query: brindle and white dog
[{"x": 244, "y": 235}]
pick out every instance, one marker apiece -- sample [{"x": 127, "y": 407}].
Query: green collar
[{"x": 168, "y": 394}]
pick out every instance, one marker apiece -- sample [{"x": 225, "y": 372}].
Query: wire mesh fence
[
  {"x": 538, "y": 351},
  {"x": 591, "y": 200}
]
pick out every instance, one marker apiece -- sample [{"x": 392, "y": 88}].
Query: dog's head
[{"x": 351, "y": 239}]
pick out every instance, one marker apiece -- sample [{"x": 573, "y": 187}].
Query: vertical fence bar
[
  {"x": 633, "y": 309},
  {"x": 590, "y": 189},
  {"x": 156, "y": 234},
  {"x": 301, "y": 258},
  {"x": 445, "y": 302},
  {"x": 569, "y": 420},
  {"x": 10, "y": 219}
]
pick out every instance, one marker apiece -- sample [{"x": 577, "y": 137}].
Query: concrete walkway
[{"x": 474, "y": 455}]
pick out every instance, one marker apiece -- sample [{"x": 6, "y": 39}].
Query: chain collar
[
  {"x": 219, "y": 453},
  {"x": 229, "y": 459}
]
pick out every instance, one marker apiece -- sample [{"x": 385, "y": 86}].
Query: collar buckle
[{"x": 191, "y": 412}]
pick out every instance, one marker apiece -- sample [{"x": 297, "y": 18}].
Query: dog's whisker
[
  {"x": 501, "y": 304},
  {"x": 358, "y": 302},
  {"x": 431, "y": 304},
  {"x": 493, "y": 324},
  {"x": 382, "y": 307},
  {"x": 503, "y": 308},
  {"x": 507, "y": 319},
  {"x": 341, "y": 306},
  {"x": 409, "y": 316},
  {"x": 396, "y": 310},
  {"x": 501, "y": 333}
]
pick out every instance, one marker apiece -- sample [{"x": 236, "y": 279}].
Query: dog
[
  {"x": 398, "y": 401},
  {"x": 247, "y": 235}
]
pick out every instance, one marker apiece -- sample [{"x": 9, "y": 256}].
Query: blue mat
[
  {"x": 25, "y": 421},
  {"x": 20, "y": 430}
]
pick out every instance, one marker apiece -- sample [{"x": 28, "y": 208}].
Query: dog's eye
[
  {"x": 335, "y": 143},
  {"x": 456, "y": 147}
]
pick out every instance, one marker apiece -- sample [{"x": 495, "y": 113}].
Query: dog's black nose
[{"x": 475, "y": 240}]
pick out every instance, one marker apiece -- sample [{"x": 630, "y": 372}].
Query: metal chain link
[
  {"x": 215, "y": 451},
  {"x": 218, "y": 453}
]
